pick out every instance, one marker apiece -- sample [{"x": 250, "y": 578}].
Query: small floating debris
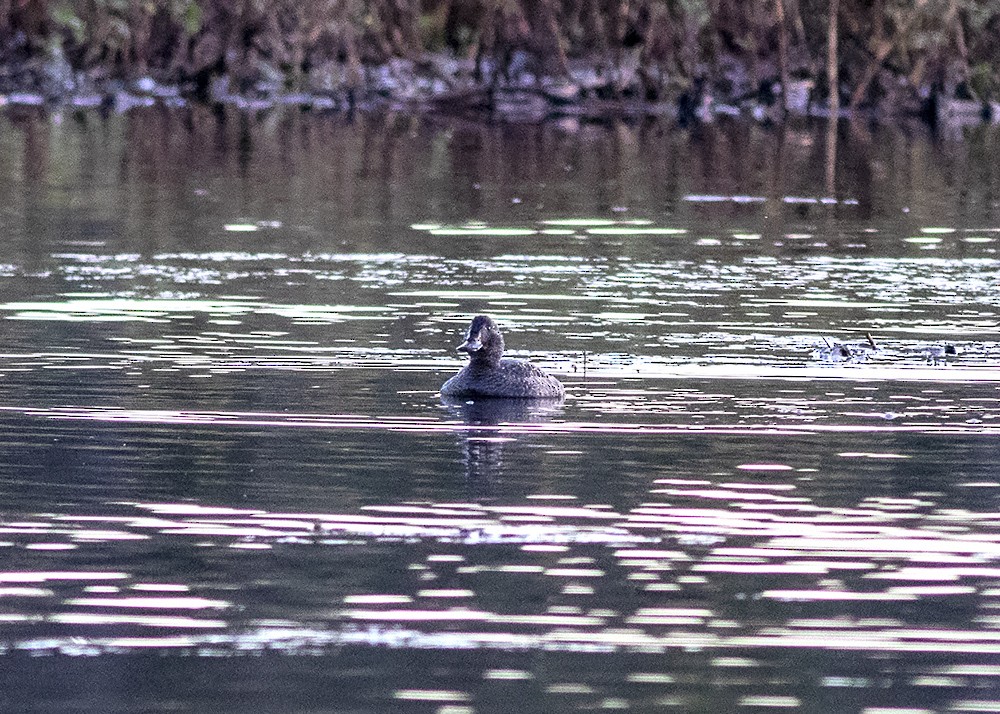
[
  {"x": 580, "y": 222},
  {"x": 764, "y": 467},
  {"x": 240, "y": 227},
  {"x": 824, "y": 200},
  {"x": 636, "y": 230},
  {"x": 30, "y": 99},
  {"x": 482, "y": 231},
  {"x": 712, "y": 198},
  {"x": 924, "y": 241}
]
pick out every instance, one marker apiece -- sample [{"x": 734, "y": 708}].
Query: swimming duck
[
  {"x": 488, "y": 374},
  {"x": 839, "y": 352},
  {"x": 936, "y": 354}
]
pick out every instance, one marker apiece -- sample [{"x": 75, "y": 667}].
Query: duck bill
[{"x": 470, "y": 346}]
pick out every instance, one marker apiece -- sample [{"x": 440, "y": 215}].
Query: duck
[
  {"x": 838, "y": 352},
  {"x": 938, "y": 354},
  {"x": 490, "y": 374}
]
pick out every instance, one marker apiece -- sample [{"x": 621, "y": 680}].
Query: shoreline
[{"x": 443, "y": 85}]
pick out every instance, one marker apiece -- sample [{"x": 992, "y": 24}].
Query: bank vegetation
[{"x": 889, "y": 54}]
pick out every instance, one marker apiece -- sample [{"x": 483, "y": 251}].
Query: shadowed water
[{"x": 228, "y": 480}]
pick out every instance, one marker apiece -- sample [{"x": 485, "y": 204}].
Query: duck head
[{"x": 483, "y": 342}]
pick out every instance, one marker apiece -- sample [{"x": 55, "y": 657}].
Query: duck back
[{"x": 512, "y": 378}]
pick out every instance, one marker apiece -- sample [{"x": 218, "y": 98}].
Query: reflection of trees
[{"x": 163, "y": 180}]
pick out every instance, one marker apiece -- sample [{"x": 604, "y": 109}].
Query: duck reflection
[{"x": 485, "y": 440}]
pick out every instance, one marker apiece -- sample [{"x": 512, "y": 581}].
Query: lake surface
[{"x": 228, "y": 482}]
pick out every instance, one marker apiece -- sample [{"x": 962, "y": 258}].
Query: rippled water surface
[{"x": 228, "y": 482}]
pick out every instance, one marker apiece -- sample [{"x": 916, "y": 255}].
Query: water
[{"x": 228, "y": 482}]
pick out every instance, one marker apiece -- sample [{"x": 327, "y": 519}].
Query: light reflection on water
[
  {"x": 807, "y": 553},
  {"x": 223, "y": 435},
  {"x": 705, "y": 573}
]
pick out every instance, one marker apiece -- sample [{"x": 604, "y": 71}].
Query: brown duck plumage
[{"x": 489, "y": 374}]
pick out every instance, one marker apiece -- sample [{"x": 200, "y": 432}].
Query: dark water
[{"x": 228, "y": 482}]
